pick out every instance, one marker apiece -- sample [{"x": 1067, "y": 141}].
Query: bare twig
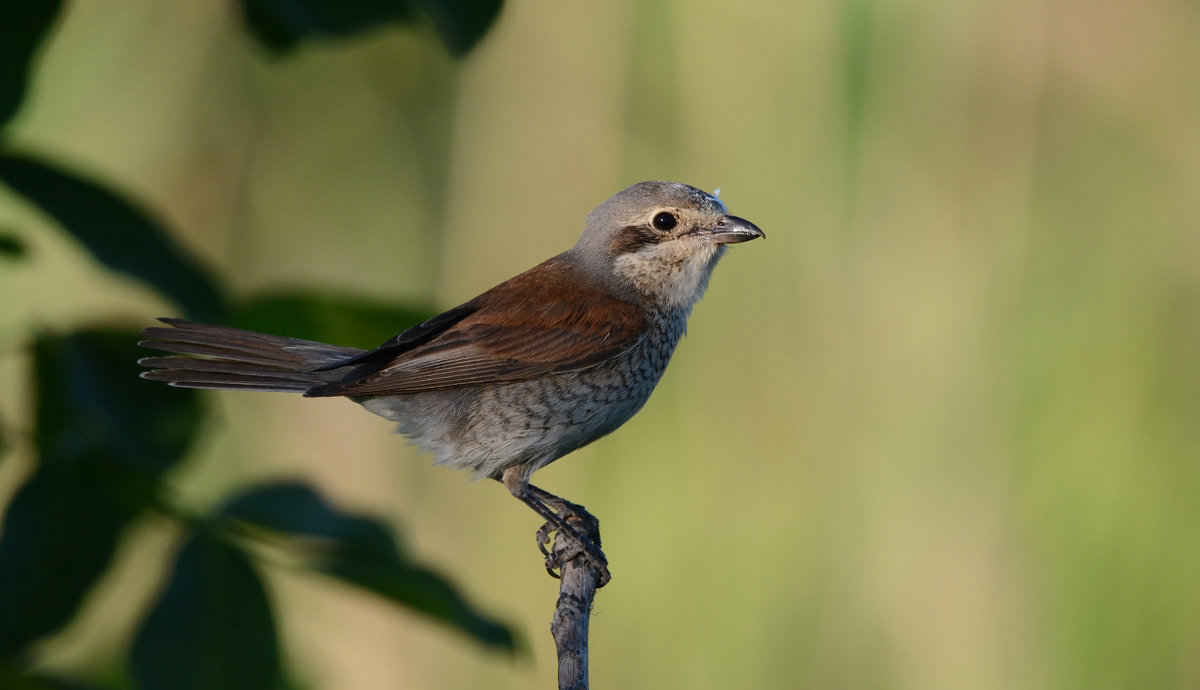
[{"x": 581, "y": 576}]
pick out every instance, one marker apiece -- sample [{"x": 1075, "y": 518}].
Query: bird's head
[{"x": 659, "y": 241}]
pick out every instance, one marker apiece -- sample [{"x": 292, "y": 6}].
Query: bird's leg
[
  {"x": 566, "y": 508},
  {"x": 570, "y": 521},
  {"x": 567, "y": 519}
]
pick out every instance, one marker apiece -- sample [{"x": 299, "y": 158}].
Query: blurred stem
[
  {"x": 856, "y": 23},
  {"x": 653, "y": 109}
]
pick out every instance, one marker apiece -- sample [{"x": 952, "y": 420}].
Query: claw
[
  {"x": 543, "y": 537},
  {"x": 571, "y": 522},
  {"x": 572, "y": 548},
  {"x": 543, "y": 540}
]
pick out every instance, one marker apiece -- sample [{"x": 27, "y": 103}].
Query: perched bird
[{"x": 532, "y": 369}]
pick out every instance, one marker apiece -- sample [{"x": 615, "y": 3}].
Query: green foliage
[
  {"x": 16, "y": 679},
  {"x": 93, "y": 410},
  {"x": 105, "y": 440},
  {"x": 60, "y": 533},
  {"x": 460, "y": 23},
  {"x": 281, "y": 24},
  {"x": 325, "y": 317},
  {"x": 359, "y": 551},
  {"x": 11, "y": 246},
  {"x": 118, "y": 233},
  {"x": 212, "y": 629},
  {"x": 23, "y": 25}
]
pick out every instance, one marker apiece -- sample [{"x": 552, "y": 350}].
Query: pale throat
[{"x": 673, "y": 273}]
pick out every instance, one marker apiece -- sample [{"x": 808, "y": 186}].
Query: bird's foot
[
  {"x": 576, "y": 534},
  {"x": 568, "y": 544}
]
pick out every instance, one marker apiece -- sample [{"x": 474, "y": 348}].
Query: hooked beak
[{"x": 732, "y": 230}]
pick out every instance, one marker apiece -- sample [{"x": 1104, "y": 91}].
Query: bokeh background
[{"x": 941, "y": 429}]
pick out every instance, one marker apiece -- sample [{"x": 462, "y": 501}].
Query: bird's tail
[{"x": 209, "y": 356}]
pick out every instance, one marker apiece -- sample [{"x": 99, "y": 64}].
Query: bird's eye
[{"x": 665, "y": 221}]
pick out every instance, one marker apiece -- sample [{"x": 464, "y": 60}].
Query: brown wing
[{"x": 541, "y": 322}]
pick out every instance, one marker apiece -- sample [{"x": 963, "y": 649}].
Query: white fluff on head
[{"x": 716, "y": 196}]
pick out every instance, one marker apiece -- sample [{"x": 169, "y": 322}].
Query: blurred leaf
[
  {"x": 119, "y": 234},
  {"x": 332, "y": 319},
  {"x": 11, "y": 246},
  {"x": 421, "y": 589},
  {"x": 461, "y": 23},
  {"x": 12, "y": 678},
  {"x": 60, "y": 532},
  {"x": 23, "y": 25},
  {"x": 212, "y": 629},
  {"x": 281, "y": 24},
  {"x": 296, "y": 509},
  {"x": 93, "y": 409},
  {"x": 103, "y": 438},
  {"x": 363, "y": 552}
]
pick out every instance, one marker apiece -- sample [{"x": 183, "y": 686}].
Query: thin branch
[{"x": 581, "y": 576}]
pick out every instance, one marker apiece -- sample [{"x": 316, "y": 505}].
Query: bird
[{"x": 525, "y": 373}]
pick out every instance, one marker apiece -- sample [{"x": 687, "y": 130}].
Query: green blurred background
[{"x": 940, "y": 430}]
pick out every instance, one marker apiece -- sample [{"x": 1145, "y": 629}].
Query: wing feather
[{"x": 544, "y": 321}]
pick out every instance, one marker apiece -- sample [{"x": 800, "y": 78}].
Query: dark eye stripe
[{"x": 632, "y": 238}]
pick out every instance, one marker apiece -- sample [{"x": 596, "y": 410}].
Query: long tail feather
[{"x": 208, "y": 356}]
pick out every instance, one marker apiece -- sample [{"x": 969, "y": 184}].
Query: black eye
[{"x": 665, "y": 221}]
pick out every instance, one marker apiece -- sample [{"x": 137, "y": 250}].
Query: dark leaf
[
  {"x": 339, "y": 320},
  {"x": 461, "y": 23},
  {"x": 60, "y": 532},
  {"x": 118, "y": 233},
  {"x": 422, "y": 590},
  {"x": 12, "y": 678},
  {"x": 93, "y": 409},
  {"x": 23, "y": 26},
  {"x": 212, "y": 629},
  {"x": 11, "y": 246},
  {"x": 282, "y": 24},
  {"x": 362, "y": 552},
  {"x": 103, "y": 437},
  {"x": 295, "y": 508}
]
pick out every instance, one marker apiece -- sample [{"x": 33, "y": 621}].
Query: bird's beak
[{"x": 732, "y": 230}]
